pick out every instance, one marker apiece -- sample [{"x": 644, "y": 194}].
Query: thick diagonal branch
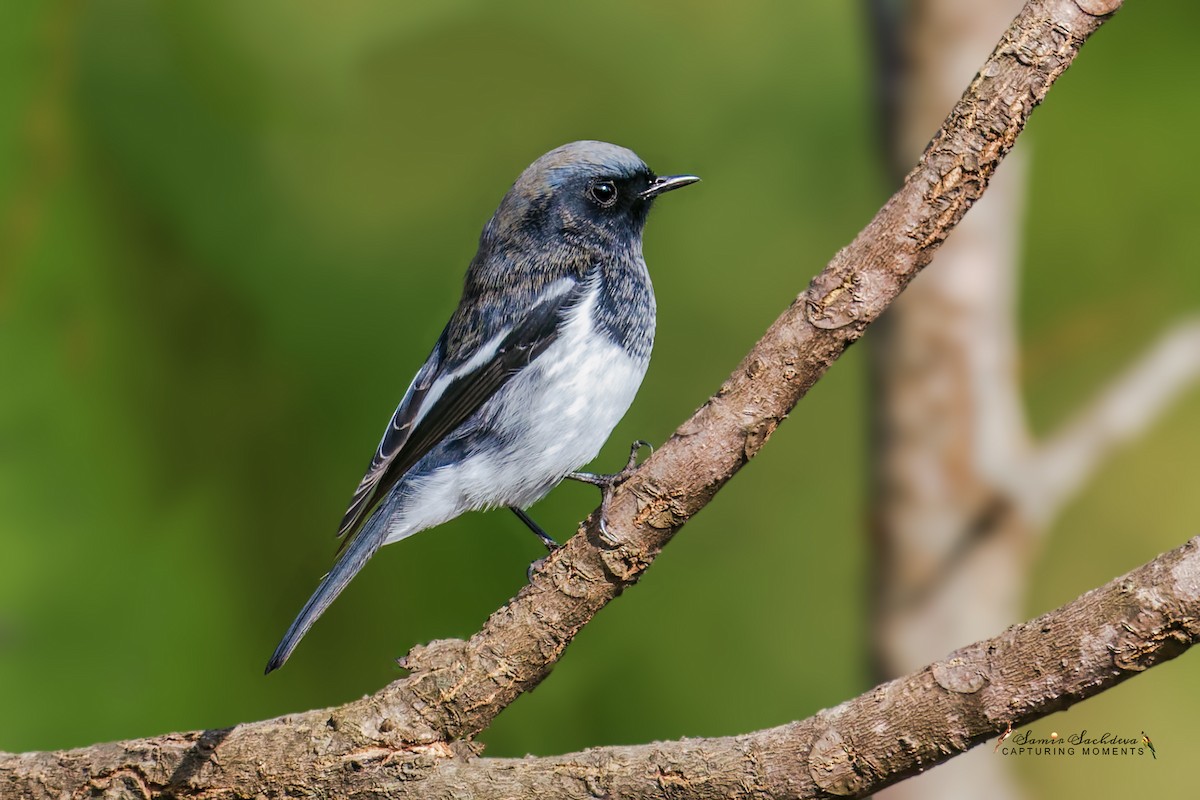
[{"x": 483, "y": 675}]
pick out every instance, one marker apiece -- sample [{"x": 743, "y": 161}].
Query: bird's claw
[
  {"x": 632, "y": 463},
  {"x": 608, "y": 483},
  {"x": 606, "y": 537}
]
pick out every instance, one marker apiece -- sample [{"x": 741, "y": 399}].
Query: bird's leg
[
  {"x": 606, "y": 484},
  {"x": 551, "y": 545}
]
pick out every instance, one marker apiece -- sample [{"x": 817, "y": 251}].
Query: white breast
[{"x": 555, "y": 416}]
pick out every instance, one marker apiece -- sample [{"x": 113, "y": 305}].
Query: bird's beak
[{"x": 666, "y": 184}]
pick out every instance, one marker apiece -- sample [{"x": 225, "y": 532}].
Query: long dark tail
[{"x": 344, "y": 569}]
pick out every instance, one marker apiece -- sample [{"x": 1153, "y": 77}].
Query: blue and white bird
[{"x": 541, "y": 359}]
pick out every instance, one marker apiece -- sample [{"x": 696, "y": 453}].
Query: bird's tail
[{"x": 344, "y": 569}]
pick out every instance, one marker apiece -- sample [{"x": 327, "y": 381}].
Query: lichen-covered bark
[{"x": 409, "y": 737}]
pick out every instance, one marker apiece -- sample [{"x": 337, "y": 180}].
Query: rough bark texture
[
  {"x": 896, "y": 730},
  {"x": 963, "y": 495},
  {"x": 409, "y": 736},
  {"x": 950, "y": 549}
]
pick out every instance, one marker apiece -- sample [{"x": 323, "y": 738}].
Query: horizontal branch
[{"x": 900, "y": 728}]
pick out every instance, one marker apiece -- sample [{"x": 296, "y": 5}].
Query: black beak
[{"x": 666, "y": 184}]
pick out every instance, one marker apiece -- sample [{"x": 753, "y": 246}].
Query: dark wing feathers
[
  {"x": 407, "y": 440},
  {"x": 397, "y": 434}
]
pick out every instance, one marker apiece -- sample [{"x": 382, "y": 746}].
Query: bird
[
  {"x": 542, "y": 357},
  {"x": 1146, "y": 741}
]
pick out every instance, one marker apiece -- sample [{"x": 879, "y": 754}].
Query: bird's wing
[{"x": 440, "y": 399}]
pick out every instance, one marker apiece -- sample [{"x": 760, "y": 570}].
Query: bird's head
[{"x": 584, "y": 191}]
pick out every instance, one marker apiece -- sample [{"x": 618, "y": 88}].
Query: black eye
[{"x": 603, "y": 193}]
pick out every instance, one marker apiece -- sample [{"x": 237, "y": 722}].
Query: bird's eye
[{"x": 604, "y": 193}]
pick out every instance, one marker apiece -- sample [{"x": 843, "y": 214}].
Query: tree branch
[
  {"x": 456, "y": 688},
  {"x": 962, "y": 495},
  {"x": 462, "y": 686},
  {"x": 902, "y": 727},
  {"x": 1118, "y": 414},
  {"x": 896, "y": 730},
  {"x": 948, "y": 564}
]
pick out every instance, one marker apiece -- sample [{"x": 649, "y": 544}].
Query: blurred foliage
[{"x": 230, "y": 232}]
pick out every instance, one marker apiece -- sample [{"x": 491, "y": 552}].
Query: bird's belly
[
  {"x": 559, "y": 419},
  {"x": 548, "y": 420}
]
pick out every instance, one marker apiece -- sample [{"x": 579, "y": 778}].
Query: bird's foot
[{"x": 607, "y": 483}]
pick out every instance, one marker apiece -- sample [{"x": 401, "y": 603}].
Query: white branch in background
[{"x": 1120, "y": 413}]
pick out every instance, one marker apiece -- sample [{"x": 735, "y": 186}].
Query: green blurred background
[{"x": 230, "y": 232}]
